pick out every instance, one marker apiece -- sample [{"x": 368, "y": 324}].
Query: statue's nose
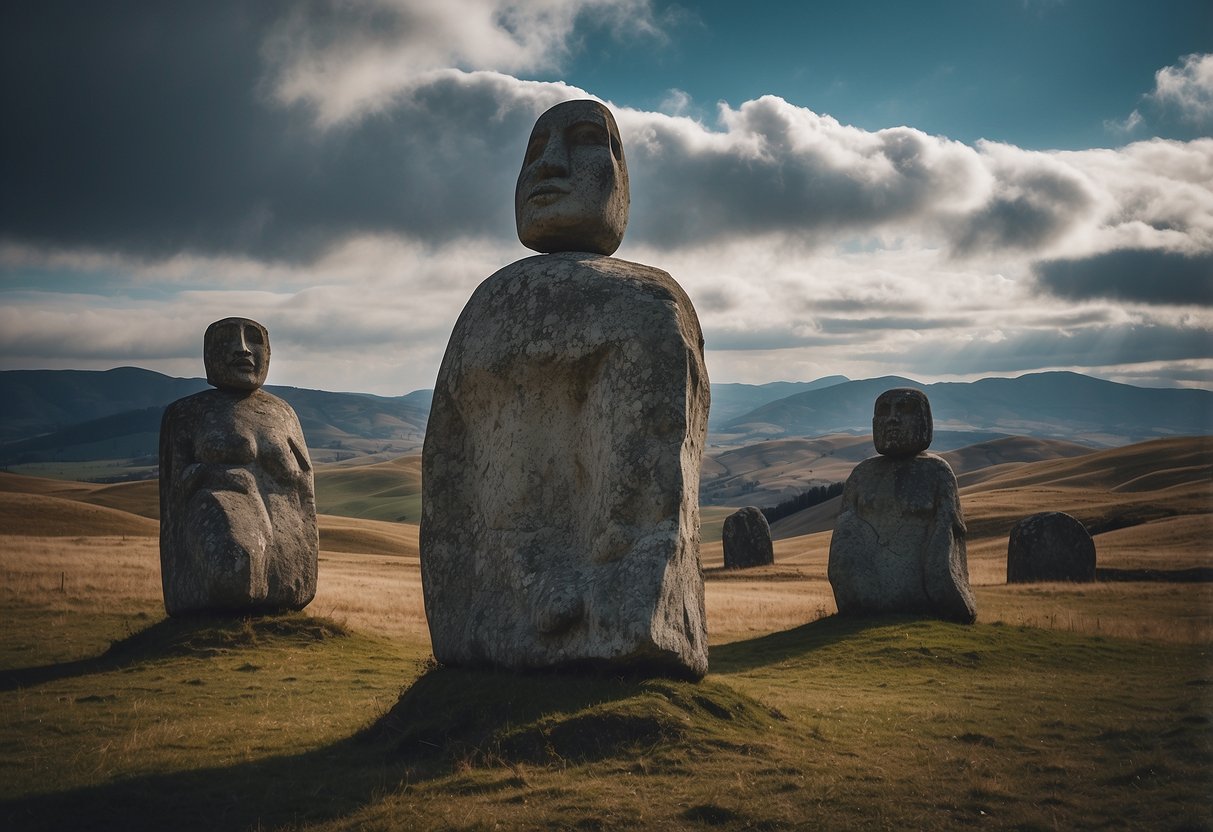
[{"x": 554, "y": 160}]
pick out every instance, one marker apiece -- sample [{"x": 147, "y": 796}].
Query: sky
[{"x": 938, "y": 190}]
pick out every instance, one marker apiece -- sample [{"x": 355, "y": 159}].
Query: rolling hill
[
  {"x": 1159, "y": 488},
  {"x": 764, "y": 473}
]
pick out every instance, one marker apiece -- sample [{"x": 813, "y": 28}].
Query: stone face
[
  {"x": 560, "y": 512},
  {"x": 899, "y": 541},
  {"x": 237, "y": 501},
  {"x": 1050, "y": 546},
  {"x": 572, "y": 193},
  {"x": 747, "y": 539},
  {"x": 901, "y": 422}
]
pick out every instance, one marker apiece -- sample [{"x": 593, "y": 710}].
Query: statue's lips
[
  {"x": 546, "y": 193},
  {"x": 243, "y": 364}
]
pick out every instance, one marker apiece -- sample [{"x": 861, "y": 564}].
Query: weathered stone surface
[
  {"x": 237, "y": 501},
  {"x": 1050, "y": 546},
  {"x": 747, "y": 539},
  {"x": 560, "y": 518},
  {"x": 560, "y": 510},
  {"x": 902, "y": 423},
  {"x": 572, "y": 193},
  {"x": 899, "y": 541}
]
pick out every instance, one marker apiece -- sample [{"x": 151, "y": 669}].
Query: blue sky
[
  {"x": 1041, "y": 74},
  {"x": 943, "y": 190}
]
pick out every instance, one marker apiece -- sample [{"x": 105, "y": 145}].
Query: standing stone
[
  {"x": 1050, "y": 546},
  {"x": 747, "y": 539},
  {"x": 560, "y": 487},
  {"x": 899, "y": 541},
  {"x": 237, "y": 502}
]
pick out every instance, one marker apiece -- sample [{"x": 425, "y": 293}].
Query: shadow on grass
[
  {"x": 738, "y": 656},
  {"x": 449, "y": 720},
  {"x": 199, "y": 635}
]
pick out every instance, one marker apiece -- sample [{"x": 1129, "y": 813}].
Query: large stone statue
[
  {"x": 1050, "y": 546},
  {"x": 560, "y": 511},
  {"x": 899, "y": 541},
  {"x": 237, "y": 503},
  {"x": 746, "y": 538}
]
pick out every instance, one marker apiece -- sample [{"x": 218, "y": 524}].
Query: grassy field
[
  {"x": 1065, "y": 707},
  {"x": 299, "y": 723}
]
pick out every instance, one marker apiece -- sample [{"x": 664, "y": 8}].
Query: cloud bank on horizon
[{"x": 343, "y": 172}]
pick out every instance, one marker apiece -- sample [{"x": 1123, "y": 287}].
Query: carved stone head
[
  {"x": 901, "y": 422},
  {"x": 572, "y": 192},
  {"x": 236, "y": 352}
]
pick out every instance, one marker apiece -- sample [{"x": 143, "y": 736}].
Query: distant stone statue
[
  {"x": 1050, "y": 546},
  {"x": 899, "y": 541},
  {"x": 560, "y": 510},
  {"x": 237, "y": 502},
  {"x": 747, "y": 539}
]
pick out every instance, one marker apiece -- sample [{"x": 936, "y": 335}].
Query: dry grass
[
  {"x": 841, "y": 723},
  {"x": 372, "y": 594},
  {"x": 68, "y": 545},
  {"x": 37, "y": 514}
]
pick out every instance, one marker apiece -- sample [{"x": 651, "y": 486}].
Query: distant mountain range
[
  {"x": 78, "y": 415},
  {"x": 1067, "y": 406},
  {"x": 730, "y": 401},
  {"x": 81, "y": 415}
]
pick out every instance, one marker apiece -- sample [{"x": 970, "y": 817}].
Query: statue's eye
[
  {"x": 587, "y": 133},
  {"x": 535, "y": 149},
  {"x": 252, "y": 335}
]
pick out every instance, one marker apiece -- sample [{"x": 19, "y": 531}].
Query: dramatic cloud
[
  {"x": 345, "y": 175},
  {"x": 774, "y": 168},
  {"x": 1187, "y": 88},
  {"x": 1142, "y": 275},
  {"x": 345, "y": 60}
]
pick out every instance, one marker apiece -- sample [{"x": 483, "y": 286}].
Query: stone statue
[
  {"x": 899, "y": 541},
  {"x": 747, "y": 539},
  {"x": 1050, "y": 546},
  {"x": 560, "y": 510},
  {"x": 237, "y": 502}
]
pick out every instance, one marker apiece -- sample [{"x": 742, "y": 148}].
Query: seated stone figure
[
  {"x": 237, "y": 502},
  {"x": 560, "y": 511},
  {"x": 899, "y": 541}
]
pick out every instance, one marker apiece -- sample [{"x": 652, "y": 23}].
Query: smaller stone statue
[
  {"x": 1050, "y": 546},
  {"x": 237, "y": 501},
  {"x": 899, "y": 541},
  {"x": 747, "y": 539}
]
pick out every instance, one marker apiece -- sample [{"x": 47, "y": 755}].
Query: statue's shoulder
[
  {"x": 932, "y": 465},
  {"x": 187, "y": 406},
  {"x": 267, "y": 402},
  {"x": 576, "y": 265},
  {"x": 929, "y": 460}
]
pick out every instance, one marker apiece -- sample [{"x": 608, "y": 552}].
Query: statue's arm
[{"x": 947, "y": 571}]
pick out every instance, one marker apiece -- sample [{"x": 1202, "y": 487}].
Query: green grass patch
[
  {"x": 386, "y": 491},
  {"x": 293, "y": 722},
  {"x": 711, "y": 522}
]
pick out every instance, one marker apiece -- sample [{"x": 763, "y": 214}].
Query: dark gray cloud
[
  {"x": 1036, "y": 202},
  {"x": 148, "y": 128},
  {"x": 779, "y": 169},
  {"x": 1134, "y": 275}
]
